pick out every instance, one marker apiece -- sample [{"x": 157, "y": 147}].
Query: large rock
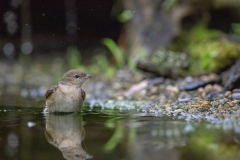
[{"x": 231, "y": 77}]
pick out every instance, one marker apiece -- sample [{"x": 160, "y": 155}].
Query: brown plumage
[{"x": 67, "y": 95}]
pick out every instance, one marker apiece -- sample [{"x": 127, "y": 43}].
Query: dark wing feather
[
  {"x": 83, "y": 94},
  {"x": 51, "y": 90}
]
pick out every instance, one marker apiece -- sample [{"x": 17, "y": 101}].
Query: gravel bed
[{"x": 131, "y": 90}]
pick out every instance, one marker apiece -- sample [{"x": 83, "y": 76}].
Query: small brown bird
[{"x": 67, "y": 95}]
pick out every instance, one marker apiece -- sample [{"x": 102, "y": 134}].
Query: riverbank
[{"x": 155, "y": 95}]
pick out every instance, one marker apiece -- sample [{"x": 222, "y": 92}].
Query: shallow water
[{"x": 109, "y": 134}]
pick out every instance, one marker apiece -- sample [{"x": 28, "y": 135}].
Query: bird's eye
[{"x": 76, "y": 76}]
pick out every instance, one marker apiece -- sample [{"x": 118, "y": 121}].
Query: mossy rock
[
  {"x": 207, "y": 49},
  {"x": 212, "y": 55}
]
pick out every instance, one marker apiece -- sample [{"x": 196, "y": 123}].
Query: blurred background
[
  {"x": 40, "y": 40},
  {"x": 120, "y": 43}
]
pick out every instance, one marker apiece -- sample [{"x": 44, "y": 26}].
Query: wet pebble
[
  {"x": 184, "y": 100},
  {"x": 192, "y": 86},
  {"x": 178, "y": 110},
  {"x": 172, "y": 89},
  {"x": 228, "y": 94},
  {"x": 236, "y": 96},
  {"x": 202, "y": 109},
  {"x": 212, "y": 95}
]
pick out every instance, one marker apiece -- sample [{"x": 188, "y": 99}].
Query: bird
[{"x": 67, "y": 95}]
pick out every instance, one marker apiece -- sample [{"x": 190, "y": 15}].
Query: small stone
[
  {"x": 153, "y": 89},
  {"x": 178, "y": 110},
  {"x": 237, "y": 90},
  {"x": 203, "y": 109},
  {"x": 212, "y": 95},
  {"x": 192, "y": 111},
  {"x": 215, "y": 104},
  {"x": 236, "y": 96},
  {"x": 203, "y": 95},
  {"x": 120, "y": 98},
  {"x": 189, "y": 79},
  {"x": 228, "y": 94},
  {"x": 172, "y": 89},
  {"x": 195, "y": 106},
  {"x": 200, "y": 89},
  {"x": 183, "y": 100},
  {"x": 143, "y": 92},
  {"x": 217, "y": 87},
  {"x": 208, "y": 88},
  {"x": 204, "y": 104},
  {"x": 168, "y": 108},
  {"x": 152, "y": 97}
]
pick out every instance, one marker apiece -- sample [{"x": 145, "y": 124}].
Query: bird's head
[{"x": 75, "y": 77}]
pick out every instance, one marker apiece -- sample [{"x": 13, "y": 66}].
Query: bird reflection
[{"x": 66, "y": 132}]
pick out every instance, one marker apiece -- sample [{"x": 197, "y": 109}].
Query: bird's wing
[
  {"x": 83, "y": 94},
  {"x": 51, "y": 90}
]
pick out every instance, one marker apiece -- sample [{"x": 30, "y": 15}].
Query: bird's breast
[
  {"x": 70, "y": 98},
  {"x": 71, "y": 91}
]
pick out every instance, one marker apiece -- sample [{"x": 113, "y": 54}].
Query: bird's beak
[{"x": 88, "y": 76}]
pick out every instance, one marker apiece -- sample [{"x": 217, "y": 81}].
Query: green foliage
[
  {"x": 142, "y": 53},
  {"x": 236, "y": 29},
  {"x": 166, "y": 62},
  {"x": 74, "y": 57},
  {"x": 125, "y": 16},
  {"x": 132, "y": 64},
  {"x": 168, "y": 4},
  {"x": 25, "y": 57},
  {"x": 208, "y": 51},
  {"x": 101, "y": 63},
  {"x": 119, "y": 55},
  {"x": 120, "y": 14},
  {"x": 115, "y": 50},
  {"x": 205, "y": 144},
  {"x": 201, "y": 33},
  {"x": 211, "y": 55}
]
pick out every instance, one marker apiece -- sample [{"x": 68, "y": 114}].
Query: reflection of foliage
[
  {"x": 118, "y": 134},
  {"x": 116, "y": 137},
  {"x": 204, "y": 144}
]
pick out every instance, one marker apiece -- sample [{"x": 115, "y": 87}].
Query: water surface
[{"x": 109, "y": 134}]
